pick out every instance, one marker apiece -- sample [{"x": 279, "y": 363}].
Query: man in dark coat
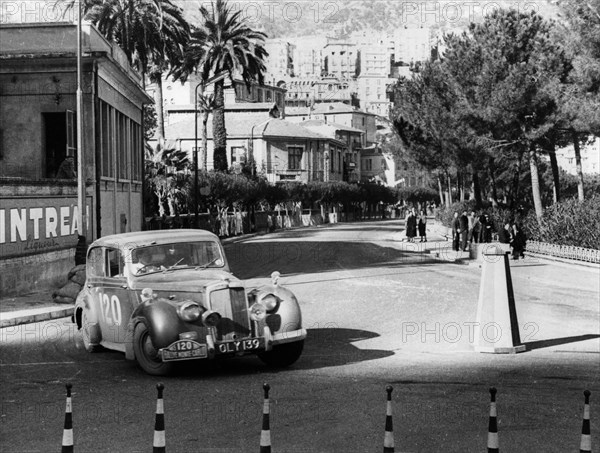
[
  {"x": 455, "y": 232},
  {"x": 464, "y": 230},
  {"x": 505, "y": 236},
  {"x": 489, "y": 228},
  {"x": 482, "y": 226}
]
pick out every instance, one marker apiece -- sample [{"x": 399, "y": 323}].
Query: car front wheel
[
  {"x": 282, "y": 355},
  {"x": 146, "y": 354}
]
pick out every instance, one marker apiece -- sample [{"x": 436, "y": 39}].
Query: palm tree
[
  {"x": 223, "y": 42},
  {"x": 152, "y": 33},
  {"x": 167, "y": 170}
]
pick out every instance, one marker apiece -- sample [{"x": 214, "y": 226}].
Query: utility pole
[{"x": 81, "y": 216}]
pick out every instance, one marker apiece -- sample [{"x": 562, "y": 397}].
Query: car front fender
[
  {"x": 288, "y": 316},
  {"x": 162, "y": 321}
]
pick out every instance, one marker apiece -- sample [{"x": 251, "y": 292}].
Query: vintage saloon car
[{"x": 167, "y": 296}]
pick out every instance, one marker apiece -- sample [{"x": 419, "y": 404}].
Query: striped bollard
[
  {"x": 493, "y": 425},
  {"x": 159, "y": 424},
  {"x": 388, "y": 440},
  {"x": 265, "y": 434},
  {"x": 586, "y": 437},
  {"x": 67, "y": 440}
]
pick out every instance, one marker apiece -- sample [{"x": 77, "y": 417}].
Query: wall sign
[{"x": 38, "y": 225}]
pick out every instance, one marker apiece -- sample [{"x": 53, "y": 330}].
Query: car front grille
[{"x": 230, "y": 303}]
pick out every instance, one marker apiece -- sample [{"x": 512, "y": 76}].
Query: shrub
[{"x": 568, "y": 223}]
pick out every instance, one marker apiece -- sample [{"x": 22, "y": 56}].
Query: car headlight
[
  {"x": 270, "y": 301},
  {"x": 258, "y": 312},
  {"x": 190, "y": 311}
]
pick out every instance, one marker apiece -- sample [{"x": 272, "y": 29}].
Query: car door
[{"x": 114, "y": 299}]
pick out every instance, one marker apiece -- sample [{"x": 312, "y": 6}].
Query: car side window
[
  {"x": 95, "y": 263},
  {"x": 114, "y": 263}
]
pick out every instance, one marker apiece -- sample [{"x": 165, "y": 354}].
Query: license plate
[
  {"x": 251, "y": 344},
  {"x": 184, "y": 349}
]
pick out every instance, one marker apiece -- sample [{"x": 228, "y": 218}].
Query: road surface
[{"x": 376, "y": 315}]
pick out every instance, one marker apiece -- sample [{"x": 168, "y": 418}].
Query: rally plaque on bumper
[{"x": 183, "y": 350}]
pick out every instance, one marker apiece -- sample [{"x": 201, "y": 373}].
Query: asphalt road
[{"x": 376, "y": 315}]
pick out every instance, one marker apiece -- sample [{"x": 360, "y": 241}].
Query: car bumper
[{"x": 187, "y": 349}]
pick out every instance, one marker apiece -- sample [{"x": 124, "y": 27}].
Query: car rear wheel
[
  {"x": 146, "y": 354},
  {"x": 282, "y": 355},
  {"x": 85, "y": 335}
]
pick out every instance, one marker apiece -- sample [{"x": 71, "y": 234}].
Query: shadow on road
[
  {"x": 259, "y": 259},
  {"x": 324, "y": 347},
  {"x": 331, "y": 346},
  {"x": 558, "y": 341}
]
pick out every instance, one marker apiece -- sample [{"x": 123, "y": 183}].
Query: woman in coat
[
  {"x": 423, "y": 226},
  {"x": 411, "y": 226}
]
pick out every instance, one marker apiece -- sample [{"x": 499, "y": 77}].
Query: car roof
[{"x": 144, "y": 238}]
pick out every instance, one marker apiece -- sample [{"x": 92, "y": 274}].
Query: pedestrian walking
[
  {"x": 464, "y": 230},
  {"x": 423, "y": 226},
  {"x": 455, "y": 232}
]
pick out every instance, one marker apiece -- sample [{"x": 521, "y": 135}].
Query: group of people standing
[
  {"x": 471, "y": 228},
  {"x": 414, "y": 224},
  {"x": 512, "y": 234}
]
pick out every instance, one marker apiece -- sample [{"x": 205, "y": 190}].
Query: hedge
[
  {"x": 225, "y": 189},
  {"x": 566, "y": 223}
]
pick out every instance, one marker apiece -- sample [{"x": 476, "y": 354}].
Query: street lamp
[
  {"x": 81, "y": 217},
  {"x": 251, "y": 147},
  {"x": 195, "y": 157}
]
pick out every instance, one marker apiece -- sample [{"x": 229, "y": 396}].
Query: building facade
[
  {"x": 179, "y": 96},
  {"x": 340, "y": 59},
  {"x": 306, "y": 91},
  {"x": 281, "y": 150},
  {"x": 279, "y": 62},
  {"x": 38, "y": 149}
]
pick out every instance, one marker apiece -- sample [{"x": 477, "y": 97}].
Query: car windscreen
[{"x": 179, "y": 255}]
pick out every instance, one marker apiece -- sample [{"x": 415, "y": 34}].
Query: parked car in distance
[{"x": 167, "y": 296}]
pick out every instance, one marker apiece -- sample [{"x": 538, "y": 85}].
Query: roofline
[{"x": 130, "y": 238}]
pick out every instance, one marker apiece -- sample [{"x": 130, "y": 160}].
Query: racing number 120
[{"x": 111, "y": 309}]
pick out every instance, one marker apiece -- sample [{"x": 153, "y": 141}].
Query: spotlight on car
[
  {"x": 211, "y": 318},
  {"x": 147, "y": 294},
  {"x": 189, "y": 311},
  {"x": 258, "y": 312},
  {"x": 270, "y": 301}
]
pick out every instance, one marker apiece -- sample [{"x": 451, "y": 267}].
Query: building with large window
[{"x": 38, "y": 149}]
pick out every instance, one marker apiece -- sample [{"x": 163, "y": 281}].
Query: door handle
[{"x": 124, "y": 286}]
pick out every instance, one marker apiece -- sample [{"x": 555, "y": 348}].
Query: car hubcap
[{"x": 149, "y": 350}]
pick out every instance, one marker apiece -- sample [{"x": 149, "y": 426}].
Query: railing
[{"x": 564, "y": 251}]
